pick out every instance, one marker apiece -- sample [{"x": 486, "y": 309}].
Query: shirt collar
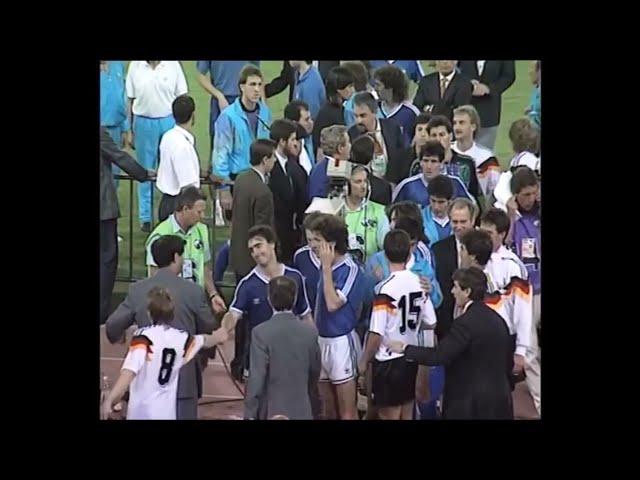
[
  {"x": 441, "y": 221},
  {"x": 176, "y": 226},
  {"x": 264, "y": 179},
  {"x": 448, "y": 77},
  {"x": 466, "y": 306},
  {"x": 282, "y": 161},
  {"x": 186, "y": 133}
]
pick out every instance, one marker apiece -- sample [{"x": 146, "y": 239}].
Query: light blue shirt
[
  {"x": 310, "y": 89},
  {"x": 224, "y": 73},
  {"x": 113, "y": 98}
]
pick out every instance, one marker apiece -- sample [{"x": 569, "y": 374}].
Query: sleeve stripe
[{"x": 353, "y": 272}]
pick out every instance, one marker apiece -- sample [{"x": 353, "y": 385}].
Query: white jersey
[
  {"x": 156, "y": 355},
  {"x": 525, "y": 158},
  {"x": 487, "y": 166},
  {"x": 399, "y": 308},
  {"x": 503, "y": 266}
]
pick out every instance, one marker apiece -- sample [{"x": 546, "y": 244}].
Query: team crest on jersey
[{"x": 256, "y": 301}]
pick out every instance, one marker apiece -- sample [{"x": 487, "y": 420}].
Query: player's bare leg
[
  {"x": 390, "y": 413},
  {"x": 329, "y": 410},
  {"x": 407, "y": 411},
  {"x": 372, "y": 411},
  {"x": 346, "y": 396}
]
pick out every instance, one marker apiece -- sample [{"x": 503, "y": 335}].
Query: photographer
[{"x": 366, "y": 220}]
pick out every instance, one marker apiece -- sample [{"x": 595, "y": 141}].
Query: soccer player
[
  {"x": 306, "y": 259},
  {"x": 399, "y": 309},
  {"x": 436, "y": 220},
  {"x": 415, "y": 188},
  {"x": 156, "y": 354},
  {"x": 250, "y": 299},
  {"x": 339, "y": 300},
  {"x": 466, "y": 123}
]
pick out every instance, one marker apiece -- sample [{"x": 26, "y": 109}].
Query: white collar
[
  {"x": 392, "y": 112},
  {"x": 466, "y": 306},
  {"x": 440, "y": 221},
  {"x": 264, "y": 179},
  {"x": 176, "y": 226},
  {"x": 282, "y": 161},
  {"x": 448, "y": 77},
  {"x": 258, "y": 271},
  {"x": 161, "y": 64},
  {"x": 186, "y": 133}
]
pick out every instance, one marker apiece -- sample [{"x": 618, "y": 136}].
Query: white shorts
[{"x": 339, "y": 357}]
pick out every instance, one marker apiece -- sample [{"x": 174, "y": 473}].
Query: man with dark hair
[
  {"x": 503, "y": 264},
  {"x": 252, "y": 204},
  {"x": 443, "y": 90},
  {"x": 387, "y": 159},
  {"x": 308, "y": 262},
  {"x": 361, "y": 84},
  {"x": 434, "y": 216},
  {"x": 179, "y": 164},
  {"x": 249, "y": 304},
  {"x": 524, "y": 211},
  {"x": 111, "y": 154},
  {"x": 411, "y": 68},
  {"x": 411, "y": 165},
  {"x": 400, "y": 308},
  {"x": 186, "y": 223},
  {"x": 298, "y": 111},
  {"x": 285, "y": 361},
  {"x": 338, "y": 88},
  {"x": 392, "y": 86},
  {"x": 362, "y": 150},
  {"x": 338, "y": 304},
  {"x": 246, "y": 119},
  {"x": 222, "y": 85},
  {"x": 288, "y": 183},
  {"x": 455, "y": 164},
  {"x": 415, "y": 188},
  {"x": 192, "y": 313}
]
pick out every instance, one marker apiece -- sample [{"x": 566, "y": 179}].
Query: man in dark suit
[
  {"x": 252, "y": 204},
  {"x": 446, "y": 253},
  {"x": 288, "y": 183},
  {"x": 192, "y": 314},
  {"x": 476, "y": 355},
  {"x": 285, "y": 361},
  {"x": 110, "y": 211},
  {"x": 442, "y": 91},
  {"x": 489, "y": 79},
  {"x": 389, "y": 157}
]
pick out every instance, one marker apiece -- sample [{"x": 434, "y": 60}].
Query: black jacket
[
  {"x": 282, "y": 81},
  {"x": 498, "y": 75},
  {"x": 478, "y": 359},
  {"x": 111, "y": 153},
  {"x": 458, "y": 93},
  {"x": 289, "y": 204},
  {"x": 446, "y": 260},
  {"x": 394, "y": 144}
]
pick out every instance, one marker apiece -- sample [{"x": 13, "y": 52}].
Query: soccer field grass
[{"x": 514, "y": 101}]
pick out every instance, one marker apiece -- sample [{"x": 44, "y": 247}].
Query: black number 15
[{"x": 414, "y": 311}]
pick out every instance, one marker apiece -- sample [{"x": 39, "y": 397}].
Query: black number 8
[{"x": 168, "y": 358}]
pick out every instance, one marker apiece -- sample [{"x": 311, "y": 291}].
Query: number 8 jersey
[
  {"x": 156, "y": 355},
  {"x": 399, "y": 307}
]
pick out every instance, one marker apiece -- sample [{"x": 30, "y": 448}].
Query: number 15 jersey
[
  {"x": 156, "y": 355},
  {"x": 399, "y": 307}
]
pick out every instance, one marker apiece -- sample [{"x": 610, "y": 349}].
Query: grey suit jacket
[
  {"x": 111, "y": 153},
  {"x": 192, "y": 314},
  {"x": 285, "y": 368},
  {"x": 252, "y": 205}
]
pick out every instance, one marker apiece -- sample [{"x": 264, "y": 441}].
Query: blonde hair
[
  {"x": 524, "y": 136},
  {"x": 472, "y": 112}
]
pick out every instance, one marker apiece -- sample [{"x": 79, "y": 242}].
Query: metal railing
[{"x": 211, "y": 225}]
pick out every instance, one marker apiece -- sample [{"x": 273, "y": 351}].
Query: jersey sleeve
[
  {"x": 139, "y": 348},
  {"x": 301, "y": 307},
  {"x": 240, "y": 302},
  {"x": 192, "y": 346},
  {"x": 383, "y": 307}
]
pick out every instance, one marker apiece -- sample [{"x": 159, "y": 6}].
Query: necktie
[{"x": 443, "y": 86}]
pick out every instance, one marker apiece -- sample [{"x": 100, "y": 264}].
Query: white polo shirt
[
  {"x": 154, "y": 90},
  {"x": 179, "y": 165}
]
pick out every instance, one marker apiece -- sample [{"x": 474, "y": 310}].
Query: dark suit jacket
[
  {"x": 498, "y": 75},
  {"x": 289, "y": 202},
  {"x": 192, "y": 314},
  {"x": 394, "y": 144},
  {"x": 458, "y": 93},
  {"x": 478, "y": 359},
  {"x": 282, "y": 81},
  {"x": 446, "y": 259},
  {"x": 252, "y": 205},
  {"x": 285, "y": 368},
  {"x": 111, "y": 153}
]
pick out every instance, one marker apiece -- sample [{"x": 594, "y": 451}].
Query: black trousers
[
  {"x": 108, "y": 263},
  {"x": 167, "y": 206}
]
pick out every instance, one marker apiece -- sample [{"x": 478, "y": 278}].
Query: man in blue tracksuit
[
  {"x": 113, "y": 104},
  {"x": 242, "y": 122},
  {"x": 309, "y": 86},
  {"x": 221, "y": 84},
  {"x": 152, "y": 86}
]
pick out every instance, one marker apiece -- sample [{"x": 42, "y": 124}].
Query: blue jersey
[
  {"x": 251, "y": 301},
  {"x": 412, "y": 68},
  {"x": 405, "y": 116},
  {"x": 349, "y": 282},
  {"x": 224, "y": 74},
  {"x": 318, "y": 184},
  {"x": 308, "y": 264},
  {"x": 415, "y": 189}
]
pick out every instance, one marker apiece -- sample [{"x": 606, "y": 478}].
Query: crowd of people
[{"x": 413, "y": 292}]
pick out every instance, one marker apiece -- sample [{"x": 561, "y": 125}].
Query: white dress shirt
[
  {"x": 480, "y": 66},
  {"x": 282, "y": 160},
  {"x": 154, "y": 90},
  {"x": 179, "y": 164},
  {"x": 448, "y": 77},
  {"x": 303, "y": 159}
]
